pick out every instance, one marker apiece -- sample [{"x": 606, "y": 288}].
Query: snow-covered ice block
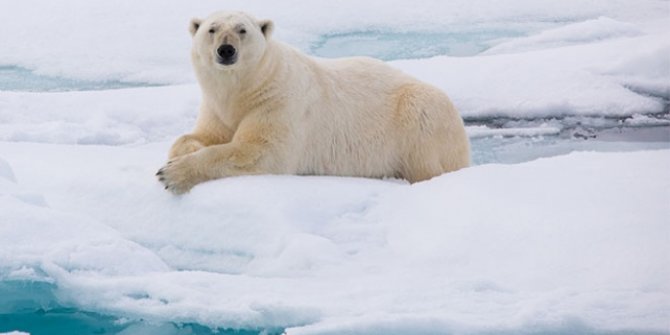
[
  {"x": 6, "y": 171},
  {"x": 487, "y": 247},
  {"x": 590, "y": 31}
]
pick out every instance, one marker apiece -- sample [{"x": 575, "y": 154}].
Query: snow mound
[
  {"x": 589, "y": 31},
  {"x": 647, "y": 71},
  {"x": 125, "y": 116},
  {"x": 316, "y": 255},
  {"x": 577, "y": 80}
]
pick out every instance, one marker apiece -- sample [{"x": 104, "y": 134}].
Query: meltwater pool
[
  {"x": 19, "y": 79},
  {"x": 392, "y": 45},
  {"x": 34, "y": 307}
]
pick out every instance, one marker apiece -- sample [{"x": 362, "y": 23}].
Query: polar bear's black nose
[{"x": 226, "y": 51}]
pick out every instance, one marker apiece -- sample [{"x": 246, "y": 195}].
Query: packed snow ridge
[{"x": 490, "y": 247}]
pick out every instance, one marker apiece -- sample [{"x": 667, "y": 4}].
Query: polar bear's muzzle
[{"x": 226, "y": 54}]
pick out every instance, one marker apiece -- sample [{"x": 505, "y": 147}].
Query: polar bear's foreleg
[
  {"x": 186, "y": 144},
  {"x": 253, "y": 150},
  {"x": 208, "y": 131},
  {"x": 224, "y": 160}
]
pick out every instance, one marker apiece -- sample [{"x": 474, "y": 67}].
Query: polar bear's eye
[{"x": 211, "y": 31}]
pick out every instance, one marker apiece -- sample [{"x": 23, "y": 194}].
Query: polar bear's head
[{"x": 229, "y": 40}]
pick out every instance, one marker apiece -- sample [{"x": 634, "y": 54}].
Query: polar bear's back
[{"x": 369, "y": 119}]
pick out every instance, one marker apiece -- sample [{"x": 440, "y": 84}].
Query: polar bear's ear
[
  {"x": 194, "y": 25},
  {"x": 267, "y": 26}
]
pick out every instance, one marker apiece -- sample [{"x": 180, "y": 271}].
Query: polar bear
[{"x": 267, "y": 108}]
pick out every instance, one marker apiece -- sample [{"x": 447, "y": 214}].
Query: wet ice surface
[
  {"x": 517, "y": 149},
  {"x": 515, "y": 141}
]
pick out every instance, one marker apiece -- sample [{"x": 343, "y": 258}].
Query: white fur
[{"x": 278, "y": 111}]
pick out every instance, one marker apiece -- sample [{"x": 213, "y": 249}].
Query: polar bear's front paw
[{"x": 178, "y": 175}]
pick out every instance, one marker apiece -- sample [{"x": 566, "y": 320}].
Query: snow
[
  {"x": 576, "y": 242},
  {"x": 604, "y": 57},
  {"x": 485, "y": 131},
  {"x": 577, "y": 80},
  {"x": 602, "y": 28},
  {"x": 113, "y": 117},
  {"x": 644, "y": 120},
  {"x": 458, "y": 252}
]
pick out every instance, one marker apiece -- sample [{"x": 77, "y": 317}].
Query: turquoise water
[
  {"x": 576, "y": 134},
  {"x": 391, "y": 45},
  {"x": 33, "y": 307},
  {"x": 15, "y": 78},
  {"x": 383, "y": 44},
  {"x": 515, "y": 149}
]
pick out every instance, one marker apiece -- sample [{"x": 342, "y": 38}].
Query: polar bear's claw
[{"x": 177, "y": 176}]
